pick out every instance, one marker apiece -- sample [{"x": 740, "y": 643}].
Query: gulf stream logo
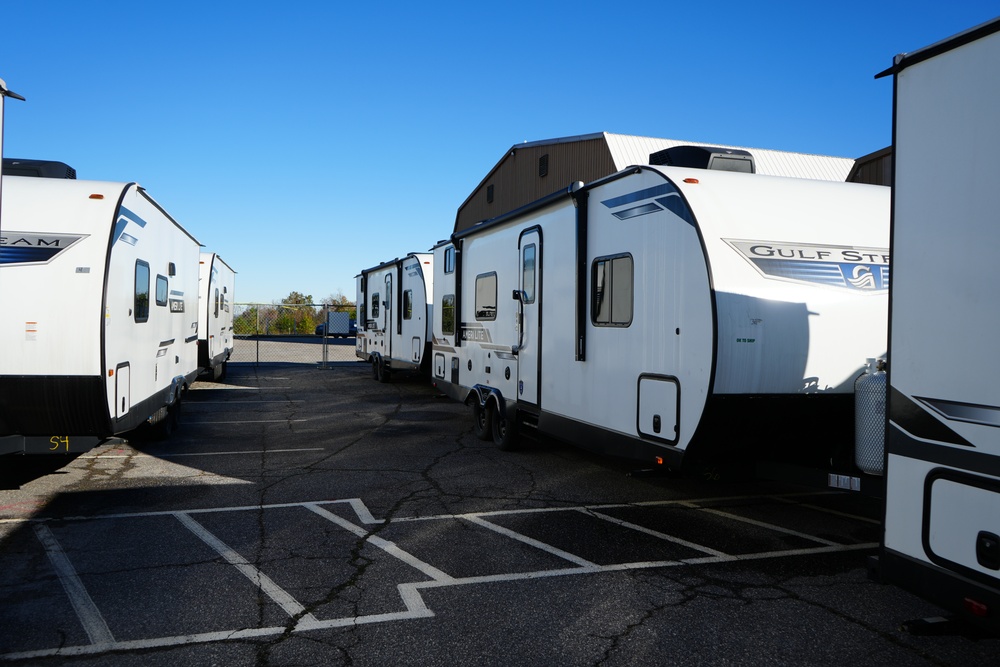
[
  {"x": 34, "y": 248},
  {"x": 847, "y": 267}
]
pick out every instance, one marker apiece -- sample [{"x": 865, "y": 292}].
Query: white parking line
[
  {"x": 762, "y": 524},
  {"x": 382, "y": 543},
  {"x": 410, "y": 592},
  {"x": 254, "y": 452},
  {"x": 291, "y": 606},
  {"x": 248, "y": 421},
  {"x": 654, "y": 533},
  {"x": 290, "y": 400},
  {"x": 565, "y": 555},
  {"x": 90, "y": 617}
]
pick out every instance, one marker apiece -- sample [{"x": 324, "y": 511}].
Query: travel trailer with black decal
[
  {"x": 394, "y": 314},
  {"x": 665, "y": 312},
  {"x": 217, "y": 288},
  {"x": 99, "y": 295},
  {"x": 942, "y": 466}
]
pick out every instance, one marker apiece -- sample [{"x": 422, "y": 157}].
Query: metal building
[{"x": 532, "y": 170}]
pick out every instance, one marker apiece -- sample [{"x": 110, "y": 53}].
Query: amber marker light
[
  {"x": 96, "y": 196},
  {"x": 111, "y": 372},
  {"x": 659, "y": 460},
  {"x": 690, "y": 180}
]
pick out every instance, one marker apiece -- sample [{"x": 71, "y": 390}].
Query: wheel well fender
[{"x": 485, "y": 395}]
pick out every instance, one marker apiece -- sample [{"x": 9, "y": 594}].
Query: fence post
[{"x": 326, "y": 336}]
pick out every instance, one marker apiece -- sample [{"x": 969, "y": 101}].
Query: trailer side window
[
  {"x": 528, "y": 273},
  {"x": 140, "y": 310},
  {"x": 216, "y": 302},
  {"x": 408, "y": 304},
  {"x": 612, "y": 286},
  {"x": 375, "y": 304},
  {"x": 449, "y": 260},
  {"x": 448, "y": 314},
  {"x": 486, "y": 296},
  {"x": 161, "y": 290}
]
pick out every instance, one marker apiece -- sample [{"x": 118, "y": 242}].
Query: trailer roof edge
[{"x": 903, "y": 60}]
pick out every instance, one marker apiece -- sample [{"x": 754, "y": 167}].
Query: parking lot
[{"x": 311, "y": 516}]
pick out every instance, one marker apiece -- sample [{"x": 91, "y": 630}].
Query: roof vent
[
  {"x": 705, "y": 157},
  {"x": 37, "y": 168}
]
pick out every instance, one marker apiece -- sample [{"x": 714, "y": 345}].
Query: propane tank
[{"x": 869, "y": 418}]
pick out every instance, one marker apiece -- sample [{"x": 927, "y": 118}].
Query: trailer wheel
[
  {"x": 383, "y": 371},
  {"x": 482, "y": 421},
  {"x": 219, "y": 372},
  {"x": 504, "y": 431},
  {"x": 162, "y": 429}
]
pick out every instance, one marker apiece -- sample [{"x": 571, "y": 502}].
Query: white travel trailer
[
  {"x": 663, "y": 311},
  {"x": 942, "y": 509},
  {"x": 99, "y": 295},
  {"x": 217, "y": 289},
  {"x": 394, "y": 314}
]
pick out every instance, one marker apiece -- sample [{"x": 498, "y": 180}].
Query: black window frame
[
  {"x": 140, "y": 305},
  {"x": 449, "y": 260},
  {"x": 483, "y": 315},
  {"x": 375, "y": 305},
  {"x": 608, "y": 292},
  {"x": 162, "y": 280},
  {"x": 529, "y": 295},
  {"x": 448, "y": 314},
  {"x": 408, "y": 304}
]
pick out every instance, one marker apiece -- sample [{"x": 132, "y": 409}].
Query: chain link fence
[{"x": 293, "y": 333}]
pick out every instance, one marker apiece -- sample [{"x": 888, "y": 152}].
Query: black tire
[
  {"x": 482, "y": 421},
  {"x": 383, "y": 371},
  {"x": 219, "y": 372},
  {"x": 504, "y": 431},
  {"x": 164, "y": 428},
  {"x": 375, "y": 370}
]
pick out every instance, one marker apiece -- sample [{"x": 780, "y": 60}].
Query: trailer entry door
[{"x": 529, "y": 327}]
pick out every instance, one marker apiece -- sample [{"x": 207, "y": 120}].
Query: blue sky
[{"x": 306, "y": 141}]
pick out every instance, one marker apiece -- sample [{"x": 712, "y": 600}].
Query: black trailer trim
[
  {"x": 608, "y": 443},
  {"x": 904, "y": 60},
  {"x": 54, "y": 405},
  {"x": 902, "y": 443},
  {"x": 582, "y": 233},
  {"x": 911, "y": 417},
  {"x": 944, "y": 588}
]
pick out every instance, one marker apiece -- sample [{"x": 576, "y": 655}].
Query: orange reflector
[
  {"x": 96, "y": 196},
  {"x": 690, "y": 180},
  {"x": 659, "y": 460},
  {"x": 976, "y": 608},
  {"x": 111, "y": 372}
]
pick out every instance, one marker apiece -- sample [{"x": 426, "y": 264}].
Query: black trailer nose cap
[{"x": 988, "y": 550}]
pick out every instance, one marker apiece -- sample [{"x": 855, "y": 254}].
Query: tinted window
[
  {"x": 161, "y": 291},
  {"x": 528, "y": 273},
  {"x": 408, "y": 304},
  {"x": 449, "y": 260},
  {"x": 448, "y": 314},
  {"x": 486, "y": 296},
  {"x": 611, "y": 291},
  {"x": 141, "y": 306}
]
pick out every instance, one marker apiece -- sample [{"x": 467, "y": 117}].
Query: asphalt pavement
[{"x": 312, "y": 516}]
